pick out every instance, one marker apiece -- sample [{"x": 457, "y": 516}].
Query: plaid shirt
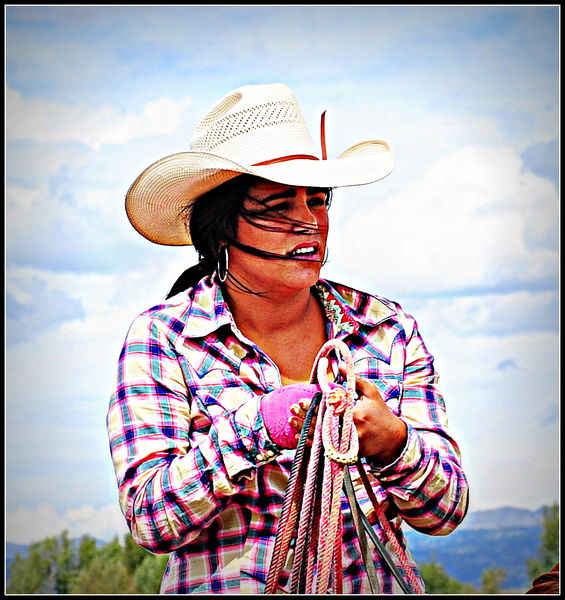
[{"x": 199, "y": 477}]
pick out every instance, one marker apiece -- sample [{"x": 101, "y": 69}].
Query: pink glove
[{"x": 275, "y": 410}]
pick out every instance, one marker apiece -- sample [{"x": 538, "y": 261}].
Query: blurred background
[{"x": 463, "y": 233}]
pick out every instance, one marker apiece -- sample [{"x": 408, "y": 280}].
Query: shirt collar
[
  {"x": 345, "y": 307},
  {"x": 208, "y": 310},
  {"x": 348, "y": 308}
]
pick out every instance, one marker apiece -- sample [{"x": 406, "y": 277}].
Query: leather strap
[
  {"x": 323, "y": 135},
  {"x": 285, "y": 158},
  {"x": 361, "y": 534}
]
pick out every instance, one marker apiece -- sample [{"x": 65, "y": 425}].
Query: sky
[{"x": 464, "y": 233}]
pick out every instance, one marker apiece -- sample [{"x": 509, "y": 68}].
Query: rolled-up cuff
[
  {"x": 407, "y": 463},
  {"x": 252, "y": 447}
]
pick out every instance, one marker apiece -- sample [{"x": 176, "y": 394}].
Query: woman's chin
[
  {"x": 288, "y": 277},
  {"x": 303, "y": 276}
]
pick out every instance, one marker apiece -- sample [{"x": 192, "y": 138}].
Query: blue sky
[{"x": 463, "y": 233}]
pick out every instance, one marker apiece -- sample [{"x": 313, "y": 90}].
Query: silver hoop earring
[{"x": 223, "y": 272}]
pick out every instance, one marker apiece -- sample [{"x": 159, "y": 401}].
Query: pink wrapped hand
[{"x": 275, "y": 410}]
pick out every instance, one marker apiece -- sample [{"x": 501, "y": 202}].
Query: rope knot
[{"x": 337, "y": 398}]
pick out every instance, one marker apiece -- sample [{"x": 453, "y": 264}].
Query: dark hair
[{"x": 212, "y": 221}]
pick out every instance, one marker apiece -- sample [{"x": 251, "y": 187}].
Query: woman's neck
[
  {"x": 270, "y": 313},
  {"x": 289, "y": 328}
]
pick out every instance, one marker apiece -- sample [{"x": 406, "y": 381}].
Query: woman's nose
[{"x": 304, "y": 215}]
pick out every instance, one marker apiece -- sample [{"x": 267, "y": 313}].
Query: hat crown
[{"x": 254, "y": 123}]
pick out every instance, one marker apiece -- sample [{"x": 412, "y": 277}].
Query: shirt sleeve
[
  {"x": 175, "y": 475},
  {"x": 426, "y": 483}
]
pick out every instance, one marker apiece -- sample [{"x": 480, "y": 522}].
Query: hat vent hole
[{"x": 220, "y": 109}]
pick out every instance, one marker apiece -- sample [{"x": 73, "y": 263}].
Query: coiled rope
[{"x": 311, "y": 516}]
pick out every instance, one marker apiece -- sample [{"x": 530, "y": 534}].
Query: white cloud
[
  {"x": 418, "y": 135},
  {"x": 31, "y": 308},
  {"x": 25, "y": 526},
  {"x": 50, "y": 122},
  {"x": 492, "y": 315},
  {"x": 68, "y": 228},
  {"x": 62, "y": 407},
  {"x": 29, "y": 164},
  {"x": 109, "y": 301},
  {"x": 474, "y": 221},
  {"x": 505, "y": 420}
]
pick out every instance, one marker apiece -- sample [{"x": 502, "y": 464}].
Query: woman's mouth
[{"x": 305, "y": 250}]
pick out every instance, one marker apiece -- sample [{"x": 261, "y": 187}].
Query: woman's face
[{"x": 291, "y": 222}]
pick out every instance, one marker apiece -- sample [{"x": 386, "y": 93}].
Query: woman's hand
[
  {"x": 283, "y": 412},
  {"x": 382, "y": 435}
]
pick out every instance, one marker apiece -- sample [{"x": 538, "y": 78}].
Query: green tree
[
  {"x": 149, "y": 573},
  {"x": 26, "y": 574},
  {"x": 439, "y": 582},
  {"x": 548, "y": 551},
  {"x": 103, "y": 576},
  {"x": 86, "y": 551},
  {"x": 112, "y": 551},
  {"x": 492, "y": 580},
  {"x": 117, "y": 568},
  {"x": 105, "y": 572},
  {"x": 49, "y": 568},
  {"x": 133, "y": 554},
  {"x": 66, "y": 564}
]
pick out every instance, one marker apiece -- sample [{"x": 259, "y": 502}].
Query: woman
[{"x": 201, "y": 468}]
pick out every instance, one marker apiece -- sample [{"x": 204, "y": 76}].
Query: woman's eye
[
  {"x": 279, "y": 207},
  {"x": 318, "y": 201}
]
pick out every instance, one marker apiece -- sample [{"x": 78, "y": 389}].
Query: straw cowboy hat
[{"x": 256, "y": 129}]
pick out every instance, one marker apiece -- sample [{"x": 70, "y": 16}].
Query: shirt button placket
[{"x": 273, "y": 377}]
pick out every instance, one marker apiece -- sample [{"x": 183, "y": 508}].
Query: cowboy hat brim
[{"x": 157, "y": 201}]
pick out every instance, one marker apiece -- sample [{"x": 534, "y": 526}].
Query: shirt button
[{"x": 272, "y": 379}]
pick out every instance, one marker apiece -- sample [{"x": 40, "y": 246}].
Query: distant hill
[
  {"x": 506, "y": 516},
  {"x": 13, "y": 549},
  {"x": 502, "y": 538}
]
